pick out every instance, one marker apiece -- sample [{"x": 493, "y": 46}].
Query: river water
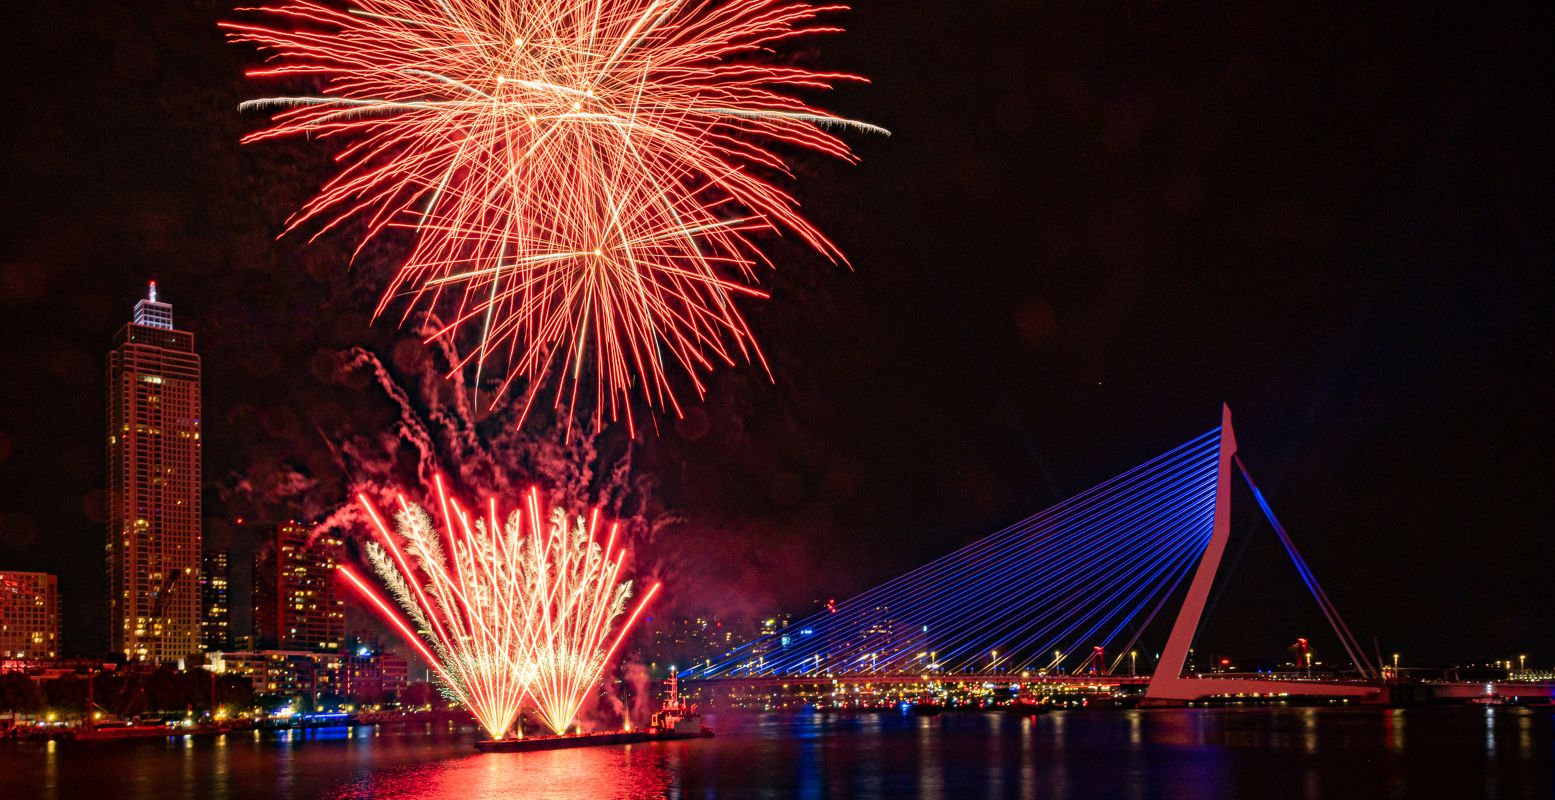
[{"x": 1194, "y": 753}]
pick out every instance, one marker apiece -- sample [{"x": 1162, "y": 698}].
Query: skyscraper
[
  {"x": 297, "y": 599},
  {"x": 215, "y": 601},
  {"x": 29, "y": 615},
  {"x": 153, "y": 487}
]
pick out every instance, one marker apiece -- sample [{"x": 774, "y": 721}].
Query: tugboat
[
  {"x": 1024, "y": 707},
  {"x": 676, "y": 720}
]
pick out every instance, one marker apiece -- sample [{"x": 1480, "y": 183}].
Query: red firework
[
  {"x": 583, "y": 178},
  {"x": 508, "y": 612}
]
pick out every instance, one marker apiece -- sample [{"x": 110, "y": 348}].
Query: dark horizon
[{"x": 1089, "y": 229}]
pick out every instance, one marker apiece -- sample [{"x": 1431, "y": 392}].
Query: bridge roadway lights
[
  {"x": 897, "y": 680},
  {"x": 1186, "y": 690}
]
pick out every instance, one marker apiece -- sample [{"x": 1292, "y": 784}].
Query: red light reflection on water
[{"x": 593, "y": 772}]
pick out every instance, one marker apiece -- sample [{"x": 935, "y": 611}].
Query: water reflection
[
  {"x": 807, "y": 770},
  {"x": 870, "y": 778},
  {"x": 219, "y": 777},
  {"x": 1257, "y": 752},
  {"x": 1056, "y": 727},
  {"x": 1395, "y": 728},
  {"x": 993, "y": 776},
  {"x": 1136, "y": 763},
  {"x": 1028, "y": 769},
  {"x": 931, "y": 782},
  {"x": 602, "y": 772},
  {"x": 51, "y": 768}
]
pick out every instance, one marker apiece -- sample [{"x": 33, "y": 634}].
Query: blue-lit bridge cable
[
  {"x": 1113, "y": 568},
  {"x": 972, "y": 574},
  {"x": 1183, "y": 572},
  {"x": 932, "y": 580},
  {"x": 990, "y": 593},
  {"x": 1186, "y": 536},
  {"x": 938, "y": 587},
  {"x": 830, "y": 631},
  {"x": 1039, "y": 567},
  {"x": 1142, "y": 588},
  {"x": 829, "y": 641},
  {"x": 1351, "y": 646}
]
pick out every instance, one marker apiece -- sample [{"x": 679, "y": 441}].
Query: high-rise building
[
  {"x": 690, "y": 640},
  {"x": 365, "y": 676},
  {"x": 29, "y": 615},
  {"x": 297, "y": 599},
  {"x": 215, "y": 601},
  {"x": 154, "y": 488}
]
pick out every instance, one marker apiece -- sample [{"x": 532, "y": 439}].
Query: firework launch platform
[{"x": 588, "y": 740}]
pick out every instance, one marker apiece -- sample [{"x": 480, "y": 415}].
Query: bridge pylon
[{"x": 1168, "y": 685}]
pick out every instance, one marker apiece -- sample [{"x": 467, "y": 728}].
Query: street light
[
  {"x": 1522, "y": 663},
  {"x": 1133, "y": 663}
]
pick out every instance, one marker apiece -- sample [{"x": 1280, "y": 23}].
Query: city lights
[{"x": 592, "y": 399}]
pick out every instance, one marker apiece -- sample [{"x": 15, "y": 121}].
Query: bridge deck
[{"x": 899, "y": 680}]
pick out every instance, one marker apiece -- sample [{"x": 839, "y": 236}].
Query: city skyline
[
  {"x": 771, "y": 398},
  {"x": 1365, "y": 295}
]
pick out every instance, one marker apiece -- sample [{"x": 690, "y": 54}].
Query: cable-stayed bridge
[{"x": 1064, "y": 595}]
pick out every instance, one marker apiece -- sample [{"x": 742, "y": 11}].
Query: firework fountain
[
  {"x": 506, "y": 611},
  {"x": 580, "y": 185}
]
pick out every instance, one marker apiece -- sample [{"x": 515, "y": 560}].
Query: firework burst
[
  {"x": 507, "y": 612},
  {"x": 583, "y": 178}
]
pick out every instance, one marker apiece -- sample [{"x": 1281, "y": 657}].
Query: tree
[
  {"x": 19, "y": 692},
  {"x": 66, "y": 694},
  {"x": 234, "y": 692}
]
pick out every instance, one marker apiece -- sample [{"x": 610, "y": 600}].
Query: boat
[
  {"x": 105, "y": 733},
  {"x": 926, "y": 707},
  {"x": 1027, "y": 708},
  {"x": 589, "y": 739}
]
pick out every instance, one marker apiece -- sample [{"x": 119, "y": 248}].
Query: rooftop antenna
[{"x": 153, "y": 297}]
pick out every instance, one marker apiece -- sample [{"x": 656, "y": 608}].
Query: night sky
[{"x": 1092, "y": 225}]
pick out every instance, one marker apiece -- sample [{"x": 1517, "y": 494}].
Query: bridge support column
[
  {"x": 1168, "y": 687},
  {"x": 1165, "y": 688}
]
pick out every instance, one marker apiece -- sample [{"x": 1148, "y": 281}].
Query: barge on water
[
  {"x": 675, "y": 721},
  {"x": 588, "y": 740}
]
